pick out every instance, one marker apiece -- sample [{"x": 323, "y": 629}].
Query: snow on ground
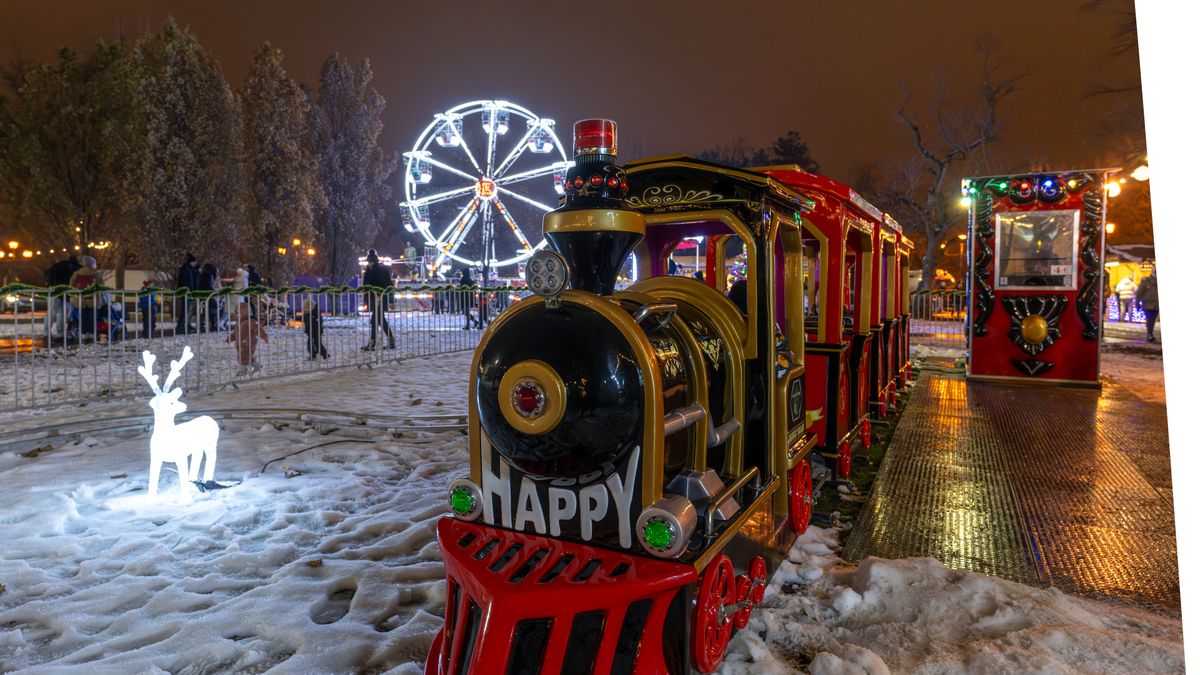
[
  {"x": 326, "y": 561},
  {"x": 917, "y": 616},
  {"x": 332, "y": 569}
]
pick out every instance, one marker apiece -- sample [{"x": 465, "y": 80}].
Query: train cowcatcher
[{"x": 641, "y": 460}]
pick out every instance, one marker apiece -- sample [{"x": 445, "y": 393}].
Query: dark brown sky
[{"x": 677, "y": 76}]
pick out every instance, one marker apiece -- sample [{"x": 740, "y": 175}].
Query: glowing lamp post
[{"x": 185, "y": 445}]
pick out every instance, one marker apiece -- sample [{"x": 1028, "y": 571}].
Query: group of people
[
  {"x": 1145, "y": 294},
  {"x": 86, "y": 313},
  {"x": 211, "y": 315}
]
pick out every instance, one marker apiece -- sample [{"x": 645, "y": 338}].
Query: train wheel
[
  {"x": 713, "y": 624},
  {"x": 843, "y": 460},
  {"x": 741, "y": 616},
  {"x": 865, "y": 436},
  {"x": 758, "y": 568},
  {"x": 799, "y": 499}
]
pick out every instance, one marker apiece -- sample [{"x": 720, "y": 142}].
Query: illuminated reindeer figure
[{"x": 184, "y": 444}]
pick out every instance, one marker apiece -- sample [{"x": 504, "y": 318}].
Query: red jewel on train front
[
  {"x": 613, "y": 182},
  {"x": 529, "y": 398},
  {"x": 595, "y": 180},
  {"x": 578, "y": 182}
]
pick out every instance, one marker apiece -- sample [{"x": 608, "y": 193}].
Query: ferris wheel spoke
[
  {"x": 527, "y": 200},
  {"x": 452, "y": 169},
  {"x": 470, "y": 156},
  {"x": 461, "y": 225},
  {"x": 458, "y": 218},
  {"x": 516, "y": 152},
  {"x": 440, "y": 197},
  {"x": 491, "y": 144},
  {"x": 526, "y": 175},
  {"x": 512, "y": 224}
]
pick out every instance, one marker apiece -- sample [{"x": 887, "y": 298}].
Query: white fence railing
[{"x": 61, "y": 346}]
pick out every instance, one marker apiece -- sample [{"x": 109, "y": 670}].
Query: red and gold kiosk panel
[{"x": 1036, "y": 273}]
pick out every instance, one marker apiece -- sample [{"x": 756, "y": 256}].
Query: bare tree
[{"x": 915, "y": 189}]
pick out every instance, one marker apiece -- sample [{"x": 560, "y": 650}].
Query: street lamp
[
  {"x": 14, "y": 245},
  {"x": 1142, "y": 173},
  {"x": 1110, "y": 227}
]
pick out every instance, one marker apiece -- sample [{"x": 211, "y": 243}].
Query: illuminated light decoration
[
  {"x": 449, "y": 131},
  {"x": 14, "y": 244},
  {"x": 595, "y": 137},
  {"x": 282, "y": 250},
  {"x": 1142, "y": 173},
  {"x": 478, "y": 198},
  {"x": 1113, "y": 188},
  {"x": 311, "y": 251},
  {"x": 186, "y": 445},
  {"x": 965, "y": 202},
  {"x": 1109, "y": 228},
  {"x": 26, "y": 254}
]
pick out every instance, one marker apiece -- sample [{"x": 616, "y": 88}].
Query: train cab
[
  {"x": 885, "y": 294},
  {"x": 840, "y": 268}
]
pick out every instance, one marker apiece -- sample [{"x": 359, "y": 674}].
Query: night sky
[{"x": 677, "y": 76}]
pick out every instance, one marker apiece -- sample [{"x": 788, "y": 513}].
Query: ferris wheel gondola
[{"x": 476, "y": 192}]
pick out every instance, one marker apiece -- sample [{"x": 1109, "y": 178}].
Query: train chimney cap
[{"x": 596, "y": 137}]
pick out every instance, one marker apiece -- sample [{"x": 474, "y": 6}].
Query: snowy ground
[{"x": 326, "y": 561}]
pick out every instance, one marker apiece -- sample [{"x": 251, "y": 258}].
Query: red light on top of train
[{"x": 595, "y": 137}]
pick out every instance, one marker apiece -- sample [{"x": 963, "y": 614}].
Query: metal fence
[
  {"x": 938, "y": 319},
  {"x": 61, "y": 346}
]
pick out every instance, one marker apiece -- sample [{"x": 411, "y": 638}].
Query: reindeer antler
[
  {"x": 177, "y": 368},
  {"x": 147, "y": 371}
]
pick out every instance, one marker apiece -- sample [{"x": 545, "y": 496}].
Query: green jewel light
[
  {"x": 658, "y": 533},
  {"x": 462, "y": 501}
]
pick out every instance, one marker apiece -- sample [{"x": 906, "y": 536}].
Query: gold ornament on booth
[{"x": 1034, "y": 329}]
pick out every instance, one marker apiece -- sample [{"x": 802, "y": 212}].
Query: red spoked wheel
[
  {"x": 865, "y": 436},
  {"x": 741, "y": 615},
  {"x": 843, "y": 460},
  {"x": 713, "y": 624},
  {"x": 799, "y": 500},
  {"x": 758, "y": 568}
]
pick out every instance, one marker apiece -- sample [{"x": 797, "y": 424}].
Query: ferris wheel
[{"x": 478, "y": 180}]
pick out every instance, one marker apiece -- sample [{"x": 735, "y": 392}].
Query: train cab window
[
  {"x": 812, "y": 285},
  {"x": 848, "y": 290}
]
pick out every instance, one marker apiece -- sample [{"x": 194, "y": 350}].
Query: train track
[{"x": 20, "y": 440}]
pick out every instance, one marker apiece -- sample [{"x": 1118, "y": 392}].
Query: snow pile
[
  {"x": 921, "y": 351},
  {"x": 917, "y": 616}
]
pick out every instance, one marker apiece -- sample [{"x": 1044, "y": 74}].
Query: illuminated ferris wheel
[{"x": 478, "y": 180}]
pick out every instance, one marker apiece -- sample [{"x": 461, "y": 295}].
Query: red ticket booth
[
  {"x": 1036, "y": 278},
  {"x": 840, "y": 268}
]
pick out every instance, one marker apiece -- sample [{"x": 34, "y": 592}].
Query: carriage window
[
  {"x": 1036, "y": 249},
  {"x": 812, "y": 281}
]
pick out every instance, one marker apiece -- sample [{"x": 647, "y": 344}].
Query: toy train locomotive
[{"x": 642, "y": 460}]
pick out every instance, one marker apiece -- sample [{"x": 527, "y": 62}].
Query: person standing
[
  {"x": 465, "y": 282},
  {"x": 1125, "y": 291},
  {"x": 148, "y": 304},
  {"x": 59, "y": 274},
  {"x": 253, "y": 278},
  {"x": 84, "y": 278},
  {"x": 377, "y": 275},
  {"x": 314, "y": 329},
  {"x": 1147, "y": 297},
  {"x": 188, "y": 278},
  {"x": 210, "y": 280}
]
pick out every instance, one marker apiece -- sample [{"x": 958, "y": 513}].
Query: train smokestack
[{"x": 594, "y": 229}]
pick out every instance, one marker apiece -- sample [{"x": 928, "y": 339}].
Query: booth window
[{"x": 1037, "y": 250}]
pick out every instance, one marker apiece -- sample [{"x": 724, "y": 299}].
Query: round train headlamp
[
  {"x": 466, "y": 501},
  {"x": 665, "y": 528},
  {"x": 546, "y": 273},
  {"x": 532, "y": 397}
]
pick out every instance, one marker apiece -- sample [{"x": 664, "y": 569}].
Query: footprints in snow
[{"x": 335, "y": 606}]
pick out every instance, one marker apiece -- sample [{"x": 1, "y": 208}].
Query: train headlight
[
  {"x": 546, "y": 274},
  {"x": 665, "y": 528},
  {"x": 466, "y": 501}
]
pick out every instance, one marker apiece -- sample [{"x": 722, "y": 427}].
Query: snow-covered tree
[
  {"x": 347, "y": 119},
  {"x": 67, "y": 141},
  {"x": 283, "y": 195},
  {"x": 190, "y": 162}
]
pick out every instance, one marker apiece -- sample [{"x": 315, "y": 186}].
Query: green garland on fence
[{"x": 96, "y": 289}]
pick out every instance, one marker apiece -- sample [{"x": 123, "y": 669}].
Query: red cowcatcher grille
[{"x": 519, "y": 603}]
